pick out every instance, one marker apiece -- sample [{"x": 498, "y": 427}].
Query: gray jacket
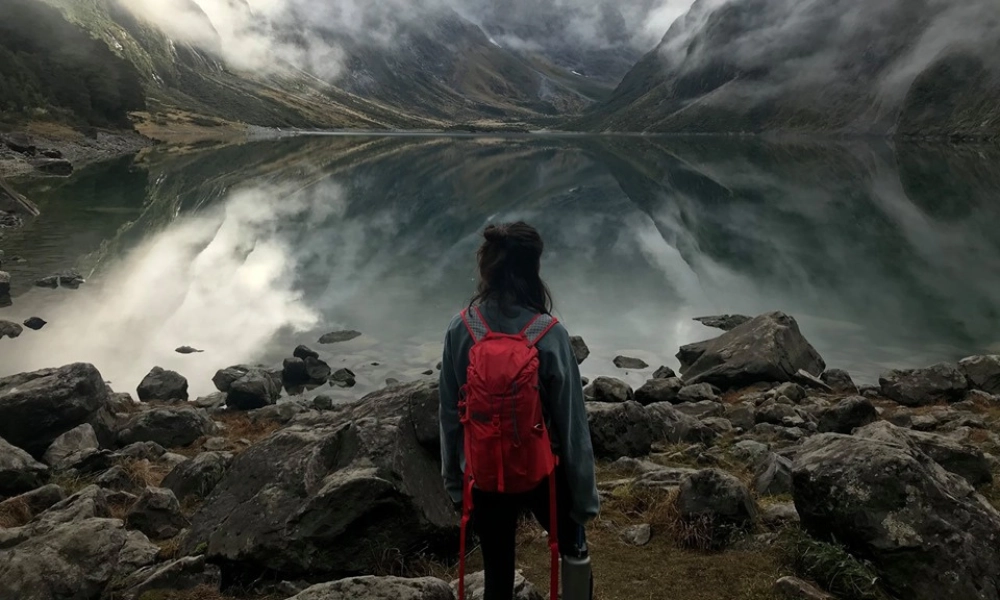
[{"x": 562, "y": 396}]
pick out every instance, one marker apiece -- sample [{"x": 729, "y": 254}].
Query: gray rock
[
  {"x": 248, "y": 388},
  {"x": 839, "y": 381},
  {"x": 67, "y": 279},
  {"x": 38, "y": 407},
  {"x": 627, "y": 362},
  {"x": 10, "y": 330},
  {"x": 344, "y": 378},
  {"x": 215, "y": 444},
  {"x": 337, "y": 337},
  {"x": 723, "y": 322},
  {"x": 792, "y": 391},
  {"x": 35, "y": 323},
  {"x": 876, "y": 498},
  {"x": 664, "y": 373},
  {"x": 742, "y": 416},
  {"x": 793, "y": 588},
  {"x": 773, "y": 476},
  {"x": 983, "y": 372},
  {"x": 619, "y": 429},
  {"x": 170, "y": 427},
  {"x": 475, "y": 587},
  {"x": 89, "y": 503},
  {"x": 751, "y": 451},
  {"x": 19, "y": 472},
  {"x": 116, "y": 478},
  {"x": 580, "y": 349},
  {"x": 717, "y": 505},
  {"x": 702, "y": 410},
  {"x": 670, "y": 425},
  {"x": 279, "y": 413},
  {"x": 211, "y": 402},
  {"x": 315, "y": 498},
  {"x": 157, "y": 514},
  {"x": 71, "y": 561},
  {"x": 847, "y": 415},
  {"x": 964, "y": 460},
  {"x": 188, "y": 350},
  {"x": 775, "y": 413},
  {"x": 379, "y": 588},
  {"x": 182, "y": 574},
  {"x": 293, "y": 372},
  {"x": 150, "y": 451},
  {"x": 324, "y": 402},
  {"x": 4, "y": 283},
  {"x": 770, "y": 430},
  {"x": 697, "y": 393},
  {"x": 811, "y": 381},
  {"x": 777, "y": 516},
  {"x": 199, "y": 476},
  {"x": 19, "y": 510},
  {"x": 659, "y": 390},
  {"x": 767, "y": 348},
  {"x": 609, "y": 389},
  {"x": 637, "y": 535},
  {"x": 304, "y": 352},
  {"x": 317, "y": 370},
  {"x": 69, "y": 448},
  {"x": 920, "y": 387}
]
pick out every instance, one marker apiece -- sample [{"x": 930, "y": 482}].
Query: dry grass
[
  {"x": 239, "y": 428},
  {"x": 72, "y": 484},
  {"x": 144, "y": 473},
  {"x": 15, "y": 513},
  {"x": 170, "y": 549}
]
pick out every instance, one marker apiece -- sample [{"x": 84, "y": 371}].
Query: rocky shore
[
  {"x": 61, "y": 151},
  {"x": 755, "y": 458}
]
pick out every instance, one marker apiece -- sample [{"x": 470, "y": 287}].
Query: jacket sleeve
[
  {"x": 451, "y": 429},
  {"x": 568, "y": 415}
]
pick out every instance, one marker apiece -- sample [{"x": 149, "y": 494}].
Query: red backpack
[{"x": 507, "y": 445}]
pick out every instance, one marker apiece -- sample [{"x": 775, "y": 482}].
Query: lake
[{"x": 887, "y": 256}]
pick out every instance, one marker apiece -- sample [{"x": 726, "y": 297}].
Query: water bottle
[{"x": 577, "y": 578}]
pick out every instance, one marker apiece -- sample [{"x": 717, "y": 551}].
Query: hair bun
[{"x": 495, "y": 233}]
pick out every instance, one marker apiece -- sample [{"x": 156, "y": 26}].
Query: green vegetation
[
  {"x": 50, "y": 68},
  {"x": 831, "y": 566}
]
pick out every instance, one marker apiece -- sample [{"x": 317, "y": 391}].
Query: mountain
[
  {"x": 199, "y": 65},
  {"x": 901, "y": 67}
]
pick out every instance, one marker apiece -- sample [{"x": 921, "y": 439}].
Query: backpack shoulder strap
[
  {"x": 538, "y": 327},
  {"x": 475, "y": 323}
]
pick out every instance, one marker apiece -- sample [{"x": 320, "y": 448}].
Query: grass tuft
[
  {"x": 831, "y": 566},
  {"x": 15, "y": 513}
]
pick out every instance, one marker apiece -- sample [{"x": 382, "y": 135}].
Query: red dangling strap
[
  {"x": 466, "y": 514},
  {"x": 553, "y": 539}
]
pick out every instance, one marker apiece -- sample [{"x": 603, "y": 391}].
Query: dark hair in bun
[{"x": 509, "y": 263}]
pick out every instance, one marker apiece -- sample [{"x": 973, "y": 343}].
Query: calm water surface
[{"x": 887, "y": 256}]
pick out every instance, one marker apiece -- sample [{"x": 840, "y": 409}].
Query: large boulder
[
  {"x": 840, "y": 381},
  {"x": 248, "y": 388},
  {"x": 715, "y": 507},
  {"x": 161, "y": 384},
  {"x": 71, "y": 561},
  {"x": 19, "y": 472},
  {"x": 10, "y": 329},
  {"x": 723, "y": 322},
  {"x": 198, "y": 476},
  {"x": 333, "y": 492},
  {"x": 926, "y": 531},
  {"x": 964, "y": 460},
  {"x": 580, "y": 349},
  {"x": 170, "y": 427},
  {"x": 847, "y": 415},
  {"x": 379, "y": 588},
  {"x": 659, "y": 390},
  {"x": 767, "y": 348},
  {"x": 69, "y": 448},
  {"x": 609, "y": 389},
  {"x": 38, "y": 407},
  {"x": 619, "y": 429},
  {"x": 157, "y": 514},
  {"x": 919, "y": 387},
  {"x": 983, "y": 372},
  {"x": 697, "y": 392},
  {"x": 773, "y": 476}
]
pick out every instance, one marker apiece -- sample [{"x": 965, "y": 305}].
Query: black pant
[{"x": 495, "y": 518}]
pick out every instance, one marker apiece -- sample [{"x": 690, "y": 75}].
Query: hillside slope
[
  {"x": 437, "y": 71},
  {"x": 901, "y": 67}
]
